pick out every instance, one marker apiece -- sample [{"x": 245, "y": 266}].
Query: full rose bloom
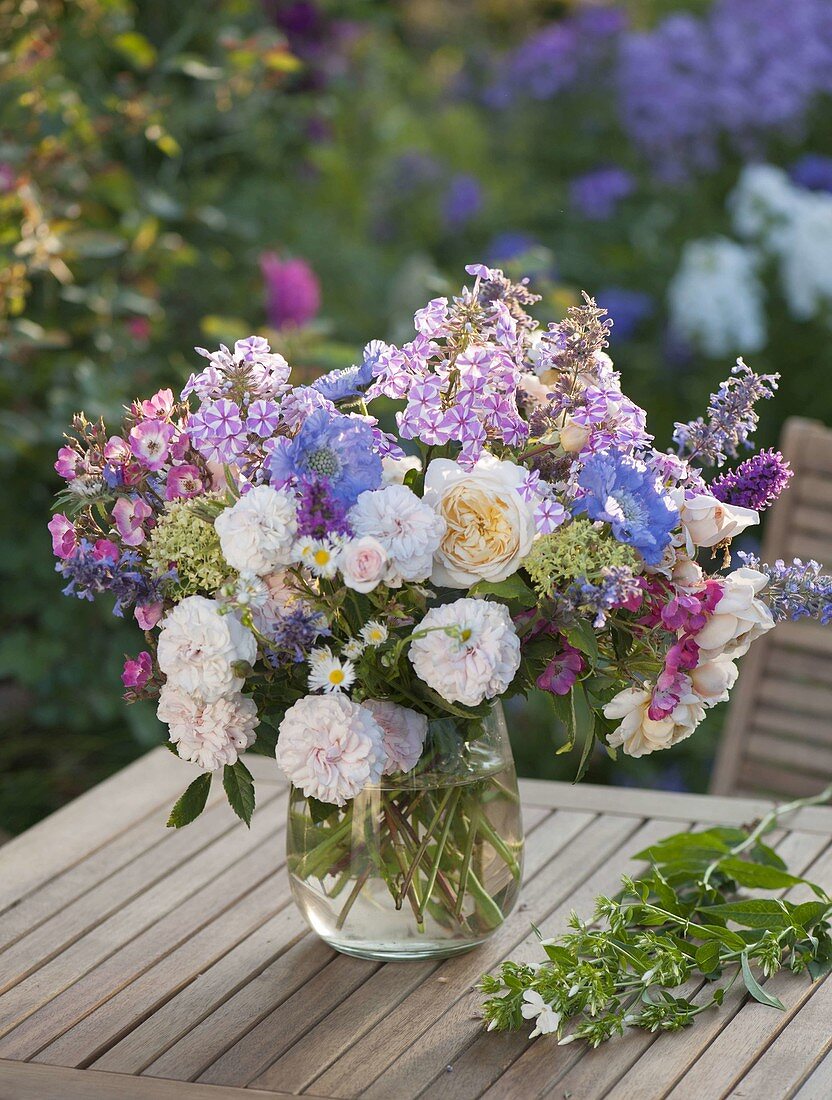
[
  {"x": 363, "y": 564},
  {"x": 404, "y": 733},
  {"x": 489, "y": 526},
  {"x": 638, "y": 734},
  {"x": 478, "y": 661},
  {"x": 739, "y": 619},
  {"x": 712, "y": 680},
  {"x": 330, "y": 747},
  {"x": 706, "y": 521},
  {"x": 407, "y": 528},
  {"x": 198, "y": 648},
  {"x": 257, "y": 534},
  {"x": 208, "y": 734}
]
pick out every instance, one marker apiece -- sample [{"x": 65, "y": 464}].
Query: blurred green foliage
[{"x": 150, "y": 152}]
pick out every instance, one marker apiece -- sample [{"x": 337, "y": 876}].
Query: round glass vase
[{"x": 423, "y": 864}]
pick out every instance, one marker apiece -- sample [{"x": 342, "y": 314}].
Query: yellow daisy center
[
  {"x": 336, "y": 676},
  {"x": 322, "y": 557}
]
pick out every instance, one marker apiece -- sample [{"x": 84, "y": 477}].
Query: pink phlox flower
[
  {"x": 263, "y": 417},
  {"x": 529, "y": 488},
  {"x": 116, "y": 451},
  {"x": 129, "y": 516},
  {"x": 150, "y": 443},
  {"x": 562, "y": 671},
  {"x": 549, "y": 515},
  {"x": 64, "y": 537},
  {"x": 148, "y": 614},
  {"x": 137, "y": 671},
  {"x": 67, "y": 463}
]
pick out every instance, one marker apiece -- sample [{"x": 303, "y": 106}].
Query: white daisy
[
  {"x": 329, "y": 673},
  {"x": 320, "y": 556},
  {"x": 353, "y": 649},
  {"x": 374, "y": 633}
]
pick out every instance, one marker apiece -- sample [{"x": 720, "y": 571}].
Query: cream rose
[
  {"x": 638, "y": 734},
  {"x": 712, "y": 680},
  {"x": 363, "y": 563},
  {"x": 739, "y": 619},
  {"x": 573, "y": 436},
  {"x": 706, "y": 521},
  {"x": 489, "y": 527}
]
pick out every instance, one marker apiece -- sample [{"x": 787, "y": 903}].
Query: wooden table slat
[{"x": 143, "y": 964}]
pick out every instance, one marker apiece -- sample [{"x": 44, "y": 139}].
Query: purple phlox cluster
[
  {"x": 94, "y": 568},
  {"x": 732, "y": 417},
  {"x": 624, "y": 492},
  {"x": 251, "y": 368},
  {"x": 218, "y": 432},
  {"x": 337, "y": 449},
  {"x": 320, "y": 514},
  {"x": 756, "y": 483},
  {"x": 796, "y": 590},
  {"x": 597, "y": 194},
  {"x": 294, "y": 635},
  {"x": 562, "y": 671},
  {"x": 746, "y": 68},
  {"x": 614, "y": 421}
]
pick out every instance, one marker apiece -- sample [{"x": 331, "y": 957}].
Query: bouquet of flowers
[{"x": 359, "y": 600}]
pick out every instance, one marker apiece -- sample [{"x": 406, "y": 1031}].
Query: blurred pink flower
[
  {"x": 137, "y": 671},
  {"x": 293, "y": 293}
]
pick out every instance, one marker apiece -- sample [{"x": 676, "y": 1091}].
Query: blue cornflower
[
  {"x": 341, "y": 384},
  {"x": 338, "y": 449},
  {"x": 624, "y": 493}
]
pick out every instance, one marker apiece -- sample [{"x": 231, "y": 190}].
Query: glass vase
[{"x": 423, "y": 864}]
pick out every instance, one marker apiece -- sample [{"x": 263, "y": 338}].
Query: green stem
[
  {"x": 500, "y": 847},
  {"x": 353, "y": 897},
  {"x": 473, "y": 826},
  {"x": 420, "y": 851},
  {"x": 412, "y": 896},
  {"x": 440, "y": 848}
]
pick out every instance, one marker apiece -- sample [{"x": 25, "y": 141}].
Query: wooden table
[{"x": 135, "y": 959}]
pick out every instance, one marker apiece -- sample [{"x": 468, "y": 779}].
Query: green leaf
[
  {"x": 821, "y": 964},
  {"x": 192, "y": 802},
  {"x": 583, "y": 637},
  {"x": 755, "y": 989},
  {"x": 320, "y": 811},
  {"x": 717, "y": 933},
  {"x": 239, "y": 789},
  {"x": 684, "y": 845},
  {"x": 583, "y": 725},
  {"x": 136, "y": 49},
  {"x": 707, "y": 957},
  {"x": 809, "y": 913},
  {"x": 757, "y": 875},
  {"x": 513, "y": 588},
  {"x": 752, "y": 913}
]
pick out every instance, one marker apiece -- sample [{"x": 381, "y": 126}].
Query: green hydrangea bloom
[
  {"x": 184, "y": 540},
  {"x": 579, "y": 551}
]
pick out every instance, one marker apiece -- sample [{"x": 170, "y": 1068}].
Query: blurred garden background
[{"x": 180, "y": 174}]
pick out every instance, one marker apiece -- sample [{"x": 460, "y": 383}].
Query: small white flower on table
[{"x": 535, "y": 1008}]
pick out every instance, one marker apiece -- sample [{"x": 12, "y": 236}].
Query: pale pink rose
[
  {"x": 404, "y": 733},
  {"x": 208, "y": 734},
  {"x": 128, "y": 516},
  {"x": 149, "y": 614},
  {"x": 64, "y": 539},
  {"x": 363, "y": 564},
  {"x": 330, "y": 747}
]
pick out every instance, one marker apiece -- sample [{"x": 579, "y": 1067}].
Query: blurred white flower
[
  {"x": 762, "y": 203},
  {"x": 395, "y": 470},
  {"x": 716, "y": 299},
  {"x": 469, "y": 650},
  {"x": 805, "y": 249},
  {"x": 330, "y": 747}
]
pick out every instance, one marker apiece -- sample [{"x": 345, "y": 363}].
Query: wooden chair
[{"x": 778, "y": 734}]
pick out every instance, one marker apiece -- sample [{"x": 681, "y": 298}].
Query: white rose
[
  {"x": 407, "y": 528},
  {"x": 706, "y": 521},
  {"x": 477, "y": 661},
  {"x": 363, "y": 564},
  {"x": 489, "y": 526},
  {"x": 258, "y": 532},
  {"x": 739, "y": 619},
  {"x": 712, "y": 680},
  {"x": 208, "y": 734},
  {"x": 394, "y": 470},
  {"x": 198, "y": 647},
  {"x": 638, "y": 734}
]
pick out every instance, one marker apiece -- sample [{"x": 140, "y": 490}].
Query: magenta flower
[
  {"x": 67, "y": 464},
  {"x": 293, "y": 293},
  {"x": 105, "y": 550},
  {"x": 137, "y": 671},
  {"x": 179, "y": 447},
  {"x": 64, "y": 538},
  {"x": 128, "y": 516},
  {"x": 149, "y": 614},
  {"x": 150, "y": 442},
  {"x": 159, "y": 406},
  {"x": 183, "y": 481},
  {"x": 562, "y": 671},
  {"x": 682, "y": 656},
  {"x": 667, "y": 694},
  {"x": 690, "y": 612}
]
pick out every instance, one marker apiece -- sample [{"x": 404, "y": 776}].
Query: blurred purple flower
[
  {"x": 597, "y": 194},
  {"x": 813, "y": 171},
  {"x": 293, "y": 293},
  {"x": 462, "y": 201},
  {"x": 510, "y": 245},
  {"x": 628, "y": 307}
]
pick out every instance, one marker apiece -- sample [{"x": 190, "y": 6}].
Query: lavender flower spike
[
  {"x": 756, "y": 483},
  {"x": 795, "y": 591}
]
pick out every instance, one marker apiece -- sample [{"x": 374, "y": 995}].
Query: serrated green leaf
[
  {"x": 755, "y": 989},
  {"x": 239, "y": 789},
  {"x": 707, "y": 957},
  {"x": 758, "y": 875},
  {"x": 191, "y": 804},
  {"x": 752, "y": 913}
]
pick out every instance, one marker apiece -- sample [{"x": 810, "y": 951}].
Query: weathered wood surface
[{"x": 137, "y": 962}]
